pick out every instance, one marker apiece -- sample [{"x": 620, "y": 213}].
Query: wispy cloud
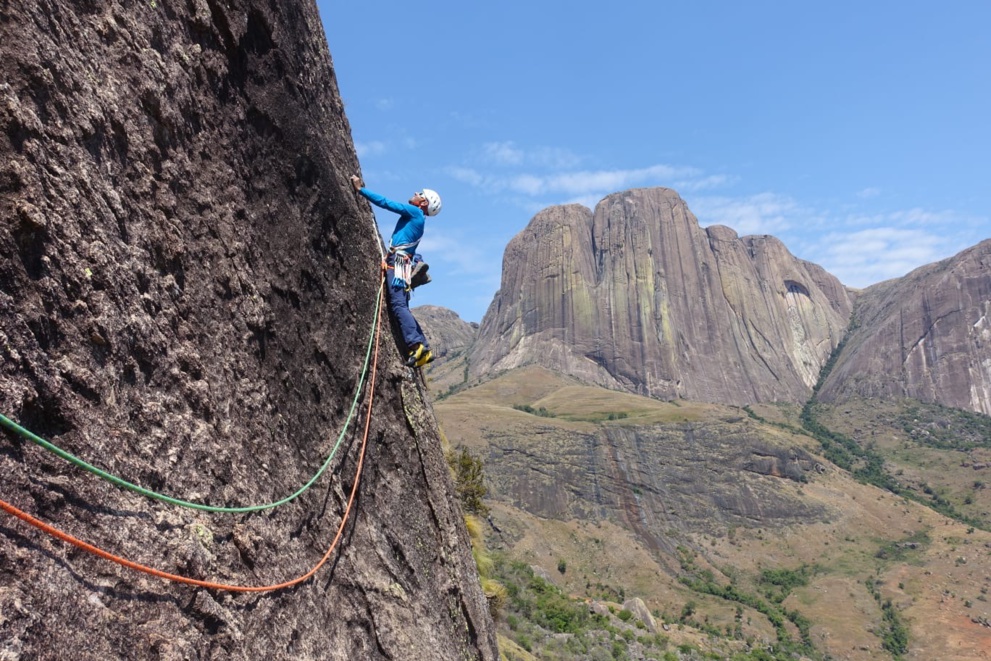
[
  {"x": 704, "y": 183},
  {"x": 764, "y": 213},
  {"x": 385, "y": 104},
  {"x": 373, "y": 148},
  {"x": 508, "y": 154},
  {"x": 580, "y": 182},
  {"x": 468, "y": 176},
  {"x": 464, "y": 257},
  {"x": 914, "y": 217},
  {"x": 502, "y": 153},
  {"x": 864, "y": 257},
  {"x": 860, "y": 248}
]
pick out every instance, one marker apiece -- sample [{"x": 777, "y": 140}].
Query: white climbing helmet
[{"x": 433, "y": 201}]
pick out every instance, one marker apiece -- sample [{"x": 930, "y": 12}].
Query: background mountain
[
  {"x": 637, "y": 296},
  {"x": 926, "y": 336},
  {"x": 187, "y": 294},
  {"x": 842, "y": 514}
]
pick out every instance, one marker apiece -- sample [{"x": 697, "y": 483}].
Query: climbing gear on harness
[
  {"x": 402, "y": 265},
  {"x": 433, "y": 201},
  {"x": 410, "y": 271}
]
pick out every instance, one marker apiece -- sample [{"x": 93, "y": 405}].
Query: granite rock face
[
  {"x": 637, "y": 296},
  {"x": 926, "y": 336},
  {"x": 187, "y": 288},
  {"x": 693, "y": 476},
  {"x": 447, "y": 333}
]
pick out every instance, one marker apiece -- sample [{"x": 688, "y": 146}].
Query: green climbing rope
[{"x": 51, "y": 447}]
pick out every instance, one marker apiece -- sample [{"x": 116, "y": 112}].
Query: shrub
[{"x": 469, "y": 481}]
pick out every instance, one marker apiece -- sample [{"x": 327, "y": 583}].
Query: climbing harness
[
  {"x": 51, "y": 447},
  {"x": 54, "y": 532}
]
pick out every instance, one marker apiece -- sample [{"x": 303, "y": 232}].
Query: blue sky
[{"x": 859, "y": 133}]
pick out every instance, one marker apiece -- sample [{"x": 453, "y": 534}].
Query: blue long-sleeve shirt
[{"x": 411, "y": 224}]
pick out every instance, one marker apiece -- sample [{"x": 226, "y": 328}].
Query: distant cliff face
[
  {"x": 637, "y": 296},
  {"x": 449, "y": 334},
  {"x": 926, "y": 336},
  {"x": 187, "y": 287}
]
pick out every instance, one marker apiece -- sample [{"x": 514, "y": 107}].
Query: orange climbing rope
[{"x": 65, "y": 537}]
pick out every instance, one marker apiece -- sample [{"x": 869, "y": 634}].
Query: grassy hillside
[{"x": 817, "y": 562}]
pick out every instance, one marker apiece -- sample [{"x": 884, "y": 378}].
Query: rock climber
[{"x": 402, "y": 248}]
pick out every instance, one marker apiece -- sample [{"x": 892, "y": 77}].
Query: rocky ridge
[{"x": 925, "y": 336}]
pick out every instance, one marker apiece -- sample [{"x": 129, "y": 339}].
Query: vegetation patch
[
  {"x": 895, "y": 637},
  {"x": 906, "y": 549},
  {"x": 469, "y": 481},
  {"x": 945, "y": 428},
  {"x": 867, "y": 465},
  {"x": 778, "y": 584},
  {"x": 542, "y": 412}
]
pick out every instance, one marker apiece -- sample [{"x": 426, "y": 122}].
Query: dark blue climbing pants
[{"x": 399, "y": 304}]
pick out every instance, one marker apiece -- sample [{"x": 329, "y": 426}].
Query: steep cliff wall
[
  {"x": 926, "y": 336},
  {"x": 187, "y": 288},
  {"x": 637, "y": 296}
]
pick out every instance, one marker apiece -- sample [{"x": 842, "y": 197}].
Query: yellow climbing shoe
[
  {"x": 425, "y": 357},
  {"x": 415, "y": 355}
]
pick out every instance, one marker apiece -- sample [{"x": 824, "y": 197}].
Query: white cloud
[
  {"x": 865, "y": 257},
  {"x": 599, "y": 182},
  {"x": 915, "y": 217},
  {"x": 704, "y": 183},
  {"x": 385, "y": 104},
  {"x": 527, "y": 184},
  {"x": 502, "y": 153},
  {"x": 373, "y": 148},
  {"x": 507, "y": 154},
  {"x": 764, "y": 213},
  {"x": 552, "y": 157},
  {"x": 868, "y": 193},
  {"x": 464, "y": 257},
  {"x": 469, "y": 176}
]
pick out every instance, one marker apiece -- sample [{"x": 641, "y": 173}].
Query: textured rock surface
[
  {"x": 926, "y": 336},
  {"x": 662, "y": 472},
  {"x": 648, "y": 479},
  {"x": 186, "y": 291},
  {"x": 637, "y": 296}
]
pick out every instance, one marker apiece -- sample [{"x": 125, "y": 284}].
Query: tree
[{"x": 469, "y": 481}]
